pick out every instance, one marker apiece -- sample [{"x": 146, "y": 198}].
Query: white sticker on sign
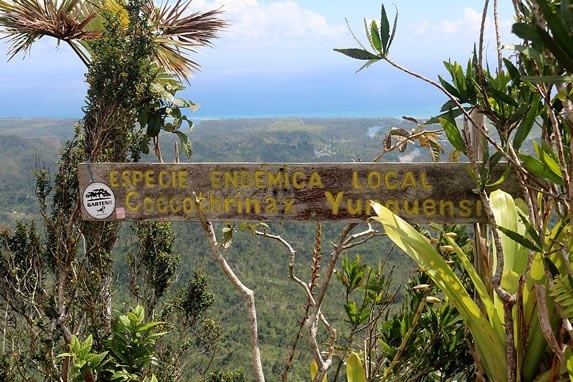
[{"x": 98, "y": 200}]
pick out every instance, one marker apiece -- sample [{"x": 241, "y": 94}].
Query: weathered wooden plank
[{"x": 419, "y": 192}]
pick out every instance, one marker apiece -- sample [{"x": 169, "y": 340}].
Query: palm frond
[
  {"x": 26, "y": 21},
  {"x": 180, "y": 33}
]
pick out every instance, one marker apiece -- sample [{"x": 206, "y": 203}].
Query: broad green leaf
[
  {"x": 358, "y": 54},
  {"x": 450, "y": 88},
  {"x": 480, "y": 288},
  {"x": 154, "y": 124},
  {"x": 537, "y": 168},
  {"x": 527, "y": 32},
  {"x": 512, "y": 70},
  {"x": 547, "y": 157},
  {"x": 502, "y": 178},
  {"x": 185, "y": 143},
  {"x": 354, "y": 371},
  {"x": 449, "y": 125},
  {"x": 512, "y": 239},
  {"x": 531, "y": 231},
  {"x": 518, "y": 238},
  {"x": 490, "y": 346}
]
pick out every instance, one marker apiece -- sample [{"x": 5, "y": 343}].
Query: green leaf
[
  {"x": 531, "y": 231},
  {"x": 548, "y": 158},
  {"x": 512, "y": 71},
  {"x": 354, "y": 371},
  {"x": 384, "y": 30},
  {"x": 367, "y": 64},
  {"x": 526, "y": 124},
  {"x": 185, "y": 143},
  {"x": 489, "y": 344},
  {"x": 154, "y": 124},
  {"x": 358, "y": 54},
  {"x": 375, "y": 37},
  {"x": 519, "y": 238},
  {"x": 392, "y": 32},
  {"x": 449, "y": 125},
  {"x": 537, "y": 168},
  {"x": 506, "y": 210},
  {"x": 314, "y": 371},
  {"x": 500, "y": 96},
  {"x": 527, "y": 32},
  {"x": 559, "y": 41}
]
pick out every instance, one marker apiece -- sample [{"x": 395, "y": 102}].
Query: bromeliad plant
[
  {"x": 489, "y": 325},
  {"x": 521, "y": 327}
]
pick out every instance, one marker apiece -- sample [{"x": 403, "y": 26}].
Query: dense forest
[{"x": 29, "y": 145}]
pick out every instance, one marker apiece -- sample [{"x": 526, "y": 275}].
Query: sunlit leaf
[
  {"x": 375, "y": 37},
  {"x": 354, "y": 371},
  {"x": 537, "y": 168},
  {"x": 489, "y": 344},
  {"x": 314, "y": 371}
]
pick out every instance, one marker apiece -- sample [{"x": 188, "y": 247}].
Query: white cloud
[
  {"x": 252, "y": 22},
  {"x": 275, "y": 36},
  {"x": 431, "y": 37}
]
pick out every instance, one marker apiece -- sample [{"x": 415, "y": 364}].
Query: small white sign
[{"x": 98, "y": 200}]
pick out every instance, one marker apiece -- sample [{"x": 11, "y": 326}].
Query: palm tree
[{"x": 80, "y": 22}]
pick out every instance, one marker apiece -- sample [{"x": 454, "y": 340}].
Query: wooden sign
[{"x": 418, "y": 192}]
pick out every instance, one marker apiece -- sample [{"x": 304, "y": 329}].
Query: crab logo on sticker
[{"x": 98, "y": 200}]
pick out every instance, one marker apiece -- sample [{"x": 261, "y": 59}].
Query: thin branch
[
  {"x": 497, "y": 36},
  {"x": 246, "y": 292}
]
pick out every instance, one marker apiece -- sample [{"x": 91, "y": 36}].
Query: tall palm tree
[{"x": 78, "y": 23}]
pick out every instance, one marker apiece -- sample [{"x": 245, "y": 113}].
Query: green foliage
[
  {"x": 530, "y": 237},
  {"x": 153, "y": 267},
  {"x": 129, "y": 355},
  {"x": 132, "y": 342},
  {"x": 417, "y": 246},
  {"x": 86, "y": 365},
  {"x": 165, "y": 112},
  {"x": 562, "y": 291},
  {"x": 225, "y": 376},
  {"x": 368, "y": 284}
]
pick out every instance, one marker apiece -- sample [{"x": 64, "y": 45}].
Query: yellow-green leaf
[
  {"x": 490, "y": 346},
  {"x": 354, "y": 371},
  {"x": 314, "y": 371}
]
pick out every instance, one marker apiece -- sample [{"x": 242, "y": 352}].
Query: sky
[{"x": 276, "y": 59}]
